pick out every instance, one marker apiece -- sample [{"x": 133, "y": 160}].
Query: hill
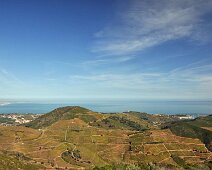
[
  {"x": 63, "y": 113},
  {"x": 131, "y": 120},
  {"x": 78, "y": 138},
  {"x": 197, "y": 128}
]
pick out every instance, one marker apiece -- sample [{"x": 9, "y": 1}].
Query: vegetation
[
  {"x": 6, "y": 120},
  {"x": 119, "y": 122},
  {"x": 7, "y": 163},
  {"x": 194, "y": 129},
  {"x": 76, "y": 138},
  {"x": 153, "y": 166},
  {"x": 64, "y": 113}
]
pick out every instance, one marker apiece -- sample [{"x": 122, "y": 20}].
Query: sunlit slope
[
  {"x": 64, "y": 113},
  {"x": 197, "y": 128},
  {"x": 12, "y": 163},
  {"x": 154, "y": 119},
  {"x": 108, "y": 121},
  {"x": 59, "y": 144},
  {"x": 132, "y": 120},
  {"x": 11, "y": 138},
  {"x": 122, "y": 121},
  {"x": 77, "y": 138},
  {"x": 75, "y": 144}
]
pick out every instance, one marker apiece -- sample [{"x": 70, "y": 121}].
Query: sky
[{"x": 108, "y": 49}]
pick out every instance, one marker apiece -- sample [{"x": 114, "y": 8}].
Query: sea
[{"x": 196, "y": 108}]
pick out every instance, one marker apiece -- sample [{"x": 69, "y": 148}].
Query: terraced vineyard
[{"x": 83, "y": 140}]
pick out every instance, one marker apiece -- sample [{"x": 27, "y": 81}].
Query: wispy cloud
[
  {"x": 184, "y": 82},
  {"x": 8, "y": 79},
  {"x": 9, "y": 83},
  {"x": 149, "y": 23},
  {"x": 100, "y": 61}
]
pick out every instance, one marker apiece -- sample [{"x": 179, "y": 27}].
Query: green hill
[
  {"x": 139, "y": 121},
  {"x": 157, "y": 119},
  {"x": 63, "y": 113},
  {"x": 194, "y": 129},
  {"x": 131, "y": 120}
]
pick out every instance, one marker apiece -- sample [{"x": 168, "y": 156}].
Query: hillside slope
[
  {"x": 8, "y": 162},
  {"x": 63, "y": 113},
  {"x": 196, "y": 128},
  {"x": 130, "y": 120},
  {"x": 77, "y": 138}
]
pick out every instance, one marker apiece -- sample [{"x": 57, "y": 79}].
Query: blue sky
[{"x": 136, "y": 49}]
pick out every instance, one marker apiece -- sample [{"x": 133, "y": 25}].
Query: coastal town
[{"x": 16, "y": 119}]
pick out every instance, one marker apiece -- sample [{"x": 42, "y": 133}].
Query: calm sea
[{"x": 166, "y": 107}]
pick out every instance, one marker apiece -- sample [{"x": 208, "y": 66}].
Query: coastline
[{"x": 151, "y": 107}]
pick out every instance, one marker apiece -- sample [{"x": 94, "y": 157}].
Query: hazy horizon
[{"x": 108, "y": 106}]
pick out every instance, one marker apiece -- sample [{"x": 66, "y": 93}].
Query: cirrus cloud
[{"x": 149, "y": 23}]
